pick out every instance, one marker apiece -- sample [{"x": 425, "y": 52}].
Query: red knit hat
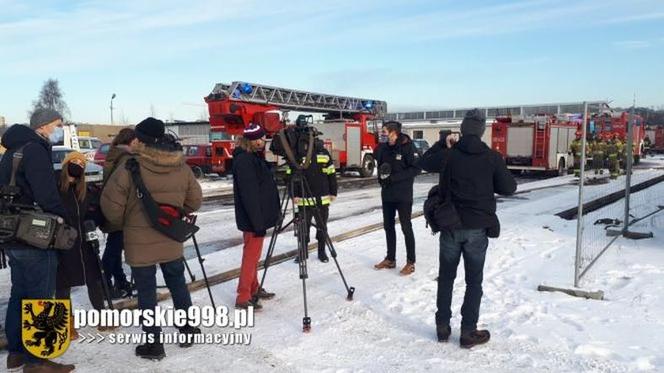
[{"x": 253, "y": 132}]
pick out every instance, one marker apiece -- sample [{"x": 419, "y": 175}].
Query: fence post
[
  {"x": 628, "y": 165},
  {"x": 579, "y": 215}
]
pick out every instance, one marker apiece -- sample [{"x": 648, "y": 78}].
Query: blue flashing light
[{"x": 246, "y": 88}]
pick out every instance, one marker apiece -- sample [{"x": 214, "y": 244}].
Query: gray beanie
[
  {"x": 473, "y": 123},
  {"x": 42, "y": 117}
]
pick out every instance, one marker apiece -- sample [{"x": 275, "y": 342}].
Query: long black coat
[
  {"x": 35, "y": 173},
  {"x": 78, "y": 265},
  {"x": 477, "y": 174},
  {"x": 401, "y": 158},
  {"x": 255, "y": 192}
]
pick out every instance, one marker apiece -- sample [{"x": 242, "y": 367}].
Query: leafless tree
[{"x": 51, "y": 97}]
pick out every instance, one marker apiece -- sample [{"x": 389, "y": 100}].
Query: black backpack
[
  {"x": 166, "y": 219},
  {"x": 439, "y": 210}
]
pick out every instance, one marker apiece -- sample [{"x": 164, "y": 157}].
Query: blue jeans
[
  {"x": 33, "y": 277},
  {"x": 112, "y": 258},
  {"x": 146, "y": 287},
  {"x": 472, "y": 244}
]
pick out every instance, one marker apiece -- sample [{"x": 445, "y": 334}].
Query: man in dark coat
[
  {"x": 321, "y": 177},
  {"x": 32, "y": 269},
  {"x": 396, "y": 174},
  {"x": 476, "y": 173},
  {"x": 256, "y": 210}
]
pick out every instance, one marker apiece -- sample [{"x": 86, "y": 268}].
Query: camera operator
[
  {"x": 112, "y": 259},
  {"x": 33, "y": 270},
  {"x": 395, "y": 156},
  {"x": 257, "y": 209},
  {"x": 77, "y": 266},
  {"x": 475, "y": 174},
  {"x": 322, "y": 180},
  {"x": 169, "y": 181}
]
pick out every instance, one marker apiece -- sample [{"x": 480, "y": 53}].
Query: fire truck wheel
[
  {"x": 368, "y": 166},
  {"x": 198, "y": 172},
  {"x": 562, "y": 168}
]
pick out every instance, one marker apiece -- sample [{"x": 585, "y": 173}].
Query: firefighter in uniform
[
  {"x": 647, "y": 144},
  {"x": 621, "y": 152},
  {"x": 612, "y": 152},
  {"x": 322, "y": 180},
  {"x": 575, "y": 149},
  {"x": 598, "y": 151}
]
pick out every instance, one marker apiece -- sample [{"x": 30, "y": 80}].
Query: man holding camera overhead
[{"x": 32, "y": 269}]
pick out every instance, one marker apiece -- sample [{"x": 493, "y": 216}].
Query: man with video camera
[
  {"x": 395, "y": 156},
  {"x": 171, "y": 184},
  {"x": 471, "y": 174},
  {"x": 33, "y": 270}
]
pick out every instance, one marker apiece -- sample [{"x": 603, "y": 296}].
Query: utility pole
[{"x": 112, "y": 97}]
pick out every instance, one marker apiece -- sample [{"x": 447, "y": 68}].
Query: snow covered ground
[{"x": 390, "y": 327}]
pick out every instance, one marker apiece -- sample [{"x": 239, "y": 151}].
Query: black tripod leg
[
  {"x": 104, "y": 282},
  {"x": 186, "y": 265},
  {"x": 333, "y": 253},
  {"x": 273, "y": 239},
  {"x": 301, "y": 227},
  {"x": 200, "y": 261}
]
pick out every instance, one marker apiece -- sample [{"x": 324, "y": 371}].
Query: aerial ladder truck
[{"x": 344, "y": 128}]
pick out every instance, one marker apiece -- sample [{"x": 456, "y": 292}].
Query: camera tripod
[{"x": 300, "y": 226}]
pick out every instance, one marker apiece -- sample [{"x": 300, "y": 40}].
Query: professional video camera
[{"x": 296, "y": 142}]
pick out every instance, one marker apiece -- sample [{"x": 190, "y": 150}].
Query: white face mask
[{"x": 57, "y": 136}]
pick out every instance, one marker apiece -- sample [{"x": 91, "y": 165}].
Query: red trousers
[{"x": 251, "y": 254}]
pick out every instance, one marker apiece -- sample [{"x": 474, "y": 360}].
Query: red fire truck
[
  {"x": 345, "y": 124},
  {"x": 608, "y": 124},
  {"x": 534, "y": 143}
]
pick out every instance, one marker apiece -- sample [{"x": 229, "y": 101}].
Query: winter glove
[
  {"x": 260, "y": 233},
  {"x": 384, "y": 180}
]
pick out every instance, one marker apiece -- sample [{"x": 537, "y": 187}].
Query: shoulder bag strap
[{"x": 16, "y": 162}]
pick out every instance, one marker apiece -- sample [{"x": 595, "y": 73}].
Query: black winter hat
[
  {"x": 474, "y": 123},
  {"x": 150, "y": 131}
]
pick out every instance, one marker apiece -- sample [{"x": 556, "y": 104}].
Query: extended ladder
[{"x": 292, "y": 99}]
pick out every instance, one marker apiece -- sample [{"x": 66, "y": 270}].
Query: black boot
[
  {"x": 297, "y": 257},
  {"x": 322, "y": 255},
  {"x": 152, "y": 351},
  {"x": 189, "y": 331},
  {"x": 470, "y": 339},
  {"x": 443, "y": 332}
]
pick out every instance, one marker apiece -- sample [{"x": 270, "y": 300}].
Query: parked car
[
  {"x": 94, "y": 173},
  {"x": 421, "y": 146},
  {"x": 89, "y": 146},
  {"x": 101, "y": 153},
  {"x": 199, "y": 158}
]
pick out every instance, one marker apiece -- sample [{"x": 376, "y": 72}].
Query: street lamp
[{"x": 112, "y": 97}]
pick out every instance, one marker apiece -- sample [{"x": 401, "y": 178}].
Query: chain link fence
[{"x": 612, "y": 202}]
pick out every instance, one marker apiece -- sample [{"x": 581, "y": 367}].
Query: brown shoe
[
  {"x": 104, "y": 329},
  {"x": 15, "y": 362},
  {"x": 470, "y": 339},
  {"x": 47, "y": 366},
  {"x": 386, "y": 264},
  {"x": 73, "y": 334},
  {"x": 408, "y": 269},
  {"x": 250, "y": 303},
  {"x": 263, "y": 294}
]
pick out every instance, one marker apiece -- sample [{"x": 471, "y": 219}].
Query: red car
[
  {"x": 100, "y": 154},
  {"x": 199, "y": 158}
]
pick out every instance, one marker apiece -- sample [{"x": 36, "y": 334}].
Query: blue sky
[{"x": 167, "y": 55}]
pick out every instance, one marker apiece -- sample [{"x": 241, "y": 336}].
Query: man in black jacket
[
  {"x": 476, "y": 174},
  {"x": 321, "y": 177},
  {"x": 396, "y": 174},
  {"x": 32, "y": 270}
]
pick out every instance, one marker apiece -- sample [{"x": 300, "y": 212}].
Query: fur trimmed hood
[{"x": 159, "y": 160}]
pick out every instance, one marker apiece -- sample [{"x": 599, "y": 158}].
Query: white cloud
[{"x": 632, "y": 44}]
